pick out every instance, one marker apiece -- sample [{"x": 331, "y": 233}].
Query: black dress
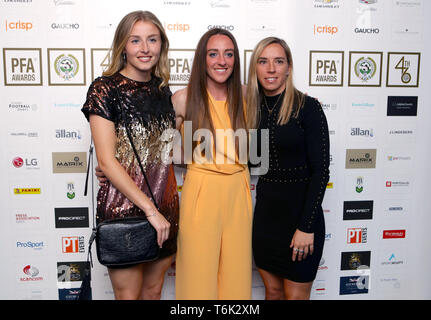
[{"x": 290, "y": 194}]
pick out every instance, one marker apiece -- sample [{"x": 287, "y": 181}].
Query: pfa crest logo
[
  {"x": 365, "y": 68},
  {"x": 66, "y": 66}
]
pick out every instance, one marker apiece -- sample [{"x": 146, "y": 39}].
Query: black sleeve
[
  {"x": 317, "y": 152},
  {"x": 98, "y": 100}
]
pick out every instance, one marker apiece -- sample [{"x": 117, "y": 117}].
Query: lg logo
[{"x": 29, "y": 163}]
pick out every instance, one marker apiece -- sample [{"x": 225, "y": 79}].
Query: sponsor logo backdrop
[{"x": 366, "y": 61}]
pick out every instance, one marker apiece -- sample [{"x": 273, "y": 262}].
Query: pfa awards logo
[
  {"x": 66, "y": 67},
  {"x": 403, "y": 69},
  {"x": 180, "y": 66},
  {"x": 22, "y": 67},
  {"x": 326, "y": 68},
  {"x": 365, "y": 69}
]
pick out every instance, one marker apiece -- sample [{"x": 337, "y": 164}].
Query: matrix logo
[
  {"x": 69, "y": 162},
  {"x": 326, "y": 68},
  {"x": 357, "y": 235},
  {"x": 73, "y": 244},
  {"x": 22, "y": 66},
  {"x": 360, "y": 158}
]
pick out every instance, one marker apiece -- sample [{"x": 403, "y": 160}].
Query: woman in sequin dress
[
  {"x": 288, "y": 222},
  {"x": 139, "y": 73}
]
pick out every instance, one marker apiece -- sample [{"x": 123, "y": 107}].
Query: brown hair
[
  {"x": 197, "y": 103},
  {"x": 117, "y": 62},
  {"x": 293, "y": 99}
]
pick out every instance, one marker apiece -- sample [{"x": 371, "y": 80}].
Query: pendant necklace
[{"x": 273, "y": 107}]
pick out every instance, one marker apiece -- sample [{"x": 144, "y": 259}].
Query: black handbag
[{"x": 124, "y": 241}]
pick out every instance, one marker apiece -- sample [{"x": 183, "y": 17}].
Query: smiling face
[
  {"x": 272, "y": 69},
  {"x": 219, "y": 59},
  {"x": 142, "y": 51}
]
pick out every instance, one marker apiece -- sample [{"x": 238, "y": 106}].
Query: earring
[{"x": 124, "y": 57}]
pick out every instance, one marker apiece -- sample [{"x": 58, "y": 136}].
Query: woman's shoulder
[{"x": 179, "y": 100}]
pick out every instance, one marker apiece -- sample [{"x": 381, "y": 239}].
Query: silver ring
[
  {"x": 301, "y": 251},
  {"x": 295, "y": 249}
]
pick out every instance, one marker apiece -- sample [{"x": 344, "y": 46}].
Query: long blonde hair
[
  {"x": 122, "y": 33},
  {"x": 293, "y": 99}
]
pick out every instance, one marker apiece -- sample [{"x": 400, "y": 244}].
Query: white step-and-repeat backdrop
[{"x": 366, "y": 61}]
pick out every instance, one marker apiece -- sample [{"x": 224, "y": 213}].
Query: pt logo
[{"x": 357, "y": 235}]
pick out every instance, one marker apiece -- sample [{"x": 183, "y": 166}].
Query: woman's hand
[
  {"x": 302, "y": 244},
  {"x": 159, "y": 222},
  {"x": 101, "y": 176}
]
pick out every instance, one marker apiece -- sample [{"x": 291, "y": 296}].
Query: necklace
[{"x": 273, "y": 107}]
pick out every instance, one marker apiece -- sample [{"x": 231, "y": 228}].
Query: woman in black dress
[
  {"x": 138, "y": 75},
  {"x": 288, "y": 224}
]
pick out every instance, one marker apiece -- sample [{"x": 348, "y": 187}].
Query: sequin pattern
[{"x": 150, "y": 115}]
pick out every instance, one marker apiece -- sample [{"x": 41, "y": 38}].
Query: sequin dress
[
  {"x": 150, "y": 113},
  {"x": 290, "y": 194}
]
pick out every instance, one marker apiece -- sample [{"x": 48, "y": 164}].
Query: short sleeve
[{"x": 98, "y": 100}]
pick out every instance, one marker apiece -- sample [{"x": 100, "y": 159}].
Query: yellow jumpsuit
[{"x": 214, "y": 240}]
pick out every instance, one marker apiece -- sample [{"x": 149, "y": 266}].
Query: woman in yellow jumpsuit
[{"x": 214, "y": 241}]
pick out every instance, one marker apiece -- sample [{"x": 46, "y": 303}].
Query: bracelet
[{"x": 151, "y": 215}]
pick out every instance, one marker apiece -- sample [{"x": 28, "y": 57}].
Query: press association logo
[{"x": 22, "y": 66}]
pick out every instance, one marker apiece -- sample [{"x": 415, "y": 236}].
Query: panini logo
[
  {"x": 26, "y": 190},
  {"x": 69, "y": 162},
  {"x": 360, "y": 158}
]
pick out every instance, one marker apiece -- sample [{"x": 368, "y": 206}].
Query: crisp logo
[
  {"x": 182, "y": 27},
  {"x": 18, "y": 25},
  {"x": 325, "y": 30}
]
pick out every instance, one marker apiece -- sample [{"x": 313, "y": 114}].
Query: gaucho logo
[
  {"x": 360, "y": 158},
  {"x": 358, "y": 210},
  {"x": 69, "y": 162}
]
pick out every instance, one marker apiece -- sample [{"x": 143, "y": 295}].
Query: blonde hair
[
  {"x": 117, "y": 62},
  {"x": 293, "y": 99}
]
